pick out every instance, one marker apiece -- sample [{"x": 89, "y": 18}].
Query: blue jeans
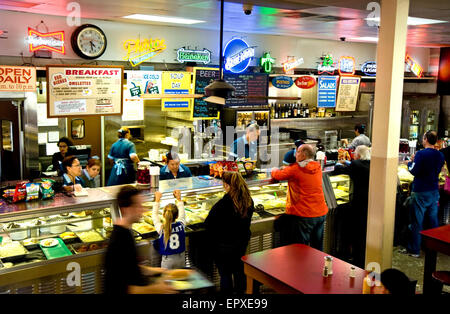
[
  {"x": 424, "y": 204},
  {"x": 311, "y": 231}
]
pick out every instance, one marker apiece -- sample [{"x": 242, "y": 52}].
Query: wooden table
[
  {"x": 297, "y": 268},
  {"x": 435, "y": 240}
]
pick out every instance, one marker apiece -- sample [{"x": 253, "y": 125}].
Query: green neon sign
[{"x": 266, "y": 62}]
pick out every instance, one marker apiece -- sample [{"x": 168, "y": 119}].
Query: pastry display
[
  {"x": 49, "y": 242},
  {"x": 31, "y": 241},
  {"x": 178, "y": 274},
  {"x": 89, "y": 236}
]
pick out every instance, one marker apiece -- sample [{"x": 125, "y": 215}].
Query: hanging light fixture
[{"x": 219, "y": 90}]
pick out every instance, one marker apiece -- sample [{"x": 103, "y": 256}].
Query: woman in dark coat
[{"x": 228, "y": 230}]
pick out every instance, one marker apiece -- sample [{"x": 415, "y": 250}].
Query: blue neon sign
[{"x": 237, "y": 55}]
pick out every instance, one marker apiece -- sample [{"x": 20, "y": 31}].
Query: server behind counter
[
  {"x": 63, "y": 144},
  {"x": 173, "y": 168},
  {"x": 246, "y": 145}
]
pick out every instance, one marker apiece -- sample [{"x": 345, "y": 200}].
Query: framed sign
[
  {"x": 348, "y": 93},
  {"x": 326, "y": 93},
  {"x": 201, "y": 110},
  {"x": 177, "y": 83},
  {"x": 84, "y": 90},
  {"x": 17, "y": 79}
]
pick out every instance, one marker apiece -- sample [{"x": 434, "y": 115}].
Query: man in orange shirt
[{"x": 305, "y": 198}]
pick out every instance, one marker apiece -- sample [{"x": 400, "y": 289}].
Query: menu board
[
  {"x": 250, "y": 84},
  {"x": 326, "y": 91},
  {"x": 84, "y": 90},
  {"x": 348, "y": 93},
  {"x": 176, "y": 83},
  {"x": 201, "y": 109}
]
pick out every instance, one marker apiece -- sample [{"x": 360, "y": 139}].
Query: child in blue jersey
[{"x": 171, "y": 243}]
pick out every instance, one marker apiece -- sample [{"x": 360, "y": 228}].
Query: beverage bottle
[
  {"x": 366, "y": 285},
  {"x": 295, "y": 110},
  {"x": 277, "y": 111},
  {"x": 307, "y": 111}
]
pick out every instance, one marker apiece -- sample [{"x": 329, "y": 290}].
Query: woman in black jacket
[{"x": 228, "y": 230}]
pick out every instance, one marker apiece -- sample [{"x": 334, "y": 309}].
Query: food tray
[
  {"x": 89, "y": 246},
  {"x": 13, "y": 258},
  {"x": 57, "y": 251},
  {"x": 83, "y": 236}
]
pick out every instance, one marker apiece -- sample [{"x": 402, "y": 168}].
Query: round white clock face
[{"x": 91, "y": 42}]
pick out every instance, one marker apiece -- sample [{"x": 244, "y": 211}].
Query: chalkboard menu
[
  {"x": 249, "y": 84},
  {"x": 201, "y": 109}
]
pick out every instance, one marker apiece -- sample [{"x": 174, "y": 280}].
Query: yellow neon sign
[{"x": 139, "y": 51}]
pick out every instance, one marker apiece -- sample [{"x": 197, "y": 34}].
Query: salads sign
[{"x": 326, "y": 95}]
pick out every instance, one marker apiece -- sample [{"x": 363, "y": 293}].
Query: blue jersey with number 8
[{"x": 176, "y": 243}]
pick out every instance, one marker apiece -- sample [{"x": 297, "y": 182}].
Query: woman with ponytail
[
  {"x": 171, "y": 243},
  {"x": 228, "y": 230}
]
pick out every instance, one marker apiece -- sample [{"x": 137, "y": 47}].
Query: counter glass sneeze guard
[{"x": 199, "y": 196}]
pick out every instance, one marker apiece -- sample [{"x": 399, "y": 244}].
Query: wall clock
[{"x": 88, "y": 41}]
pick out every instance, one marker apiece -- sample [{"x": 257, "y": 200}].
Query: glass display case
[{"x": 341, "y": 188}]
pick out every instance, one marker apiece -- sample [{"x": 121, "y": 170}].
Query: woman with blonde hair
[
  {"x": 232, "y": 213},
  {"x": 171, "y": 242}
]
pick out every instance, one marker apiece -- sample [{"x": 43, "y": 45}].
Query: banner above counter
[{"x": 17, "y": 79}]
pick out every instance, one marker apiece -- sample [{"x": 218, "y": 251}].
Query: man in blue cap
[{"x": 289, "y": 157}]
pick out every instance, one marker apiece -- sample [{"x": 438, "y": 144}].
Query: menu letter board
[
  {"x": 201, "y": 109},
  {"x": 348, "y": 93},
  {"x": 17, "y": 79},
  {"x": 250, "y": 84},
  {"x": 176, "y": 83},
  {"x": 326, "y": 92},
  {"x": 84, "y": 90}
]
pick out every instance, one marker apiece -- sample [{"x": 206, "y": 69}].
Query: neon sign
[
  {"x": 186, "y": 55},
  {"x": 266, "y": 62},
  {"x": 369, "y": 68},
  {"x": 237, "y": 54},
  {"x": 346, "y": 66},
  {"x": 327, "y": 66},
  {"x": 292, "y": 63},
  {"x": 53, "y": 41},
  {"x": 139, "y": 51},
  {"x": 414, "y": 66}
]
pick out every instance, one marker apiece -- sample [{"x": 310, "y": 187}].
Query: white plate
[{"x": 49, "y": 242}]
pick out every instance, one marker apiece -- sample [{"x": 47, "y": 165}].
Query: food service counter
[{"x": 84, "y": 225}]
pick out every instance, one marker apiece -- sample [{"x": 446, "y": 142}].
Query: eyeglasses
[
  {"x": 79, "y": 165},
  {"x": 62, "y": 146}
]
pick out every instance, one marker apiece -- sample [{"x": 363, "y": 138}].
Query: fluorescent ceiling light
[
  {"x": 374, "y": 39},
  {"x": 163, "y": 19},
  {"x": 413, "y": 21}
]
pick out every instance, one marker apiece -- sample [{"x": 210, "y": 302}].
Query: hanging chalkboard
[
  {"x": 249, "y": 84},
  {"x": 201, "y": 109}
]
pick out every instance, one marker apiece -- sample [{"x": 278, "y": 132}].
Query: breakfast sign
[
  {"x": 17, "y": 79},
  {"x": 84, "y": 90}
]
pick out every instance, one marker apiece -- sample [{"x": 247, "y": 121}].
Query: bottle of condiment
[
  {"x": 329, "y": 264},
  {"x": 325, "y": 271},
  {"x": 352, "y": 272}
]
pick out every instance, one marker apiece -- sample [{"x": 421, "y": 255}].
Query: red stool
[{"x": 441, "y": 278}]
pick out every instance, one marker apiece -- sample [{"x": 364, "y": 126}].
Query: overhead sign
[
  {"x": 282, "y": 82},
  {"x": 414, "y": 66},
  {"x": 237, "y": 54},
  {"x": 348, "y": 93},
  {"x": 305, "y": 82},
  {"x": 53, "y": 41},
  {"x": 139, "y": 51},
  {"x": 327, "y": 65},
  {"x": 187, "y": 55},
  {"x": 17, "y": 79},
  {"x": 138, "y": 83},
  {"x": 369, "y": 68},
  {"x": 346, "y": 66},
  {"x": 326, "y": 93},
  {"x": 291, "y": 64},
  {"x": 84, "y": 90},
  {"x": 176, "y": 83},
  {"x": 267, "y": 62}
]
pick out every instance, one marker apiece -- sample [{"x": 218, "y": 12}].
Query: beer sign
[{"x": 305, "y": 82}]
